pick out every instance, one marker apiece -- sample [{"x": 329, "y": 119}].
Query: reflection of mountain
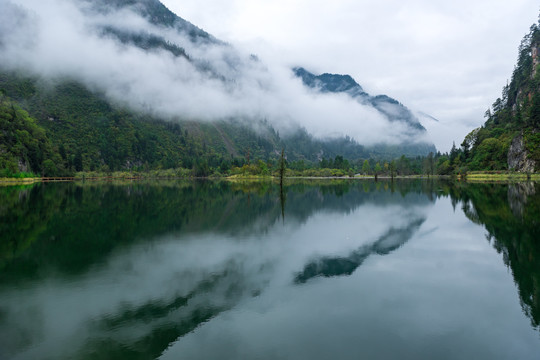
[
  {"x": 124, "y": 326},
  {"x": 338, "y": 266},
  {"x": 88, "y": 222},
  {"x": 510, "y": 214},
  {"x": 123, "y": 271},
  {"x": 143, "y": 331},
  {"x": 126, "y": 250}
]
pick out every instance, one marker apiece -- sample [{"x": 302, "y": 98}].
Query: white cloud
[
  {"x": 448, "y": 59},
  {"x": 56, "y": 38}
]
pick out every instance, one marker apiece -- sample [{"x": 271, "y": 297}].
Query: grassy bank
[
  {"x": 478, "y": 176},
  {"x": 18, "y": 181},
  {"x": 177, "y": 174}
]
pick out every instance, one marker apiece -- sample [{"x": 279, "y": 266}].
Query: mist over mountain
[
  {"x": 392, "y": 109},
  {"x": 138, "y": 56}
]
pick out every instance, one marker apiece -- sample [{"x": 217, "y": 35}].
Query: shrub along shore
[{"x": 290, "y": 174}]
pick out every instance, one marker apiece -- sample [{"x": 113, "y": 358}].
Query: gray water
[{"x": 324, "y": 270}]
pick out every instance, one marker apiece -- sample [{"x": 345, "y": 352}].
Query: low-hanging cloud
[{"x": 66, "y": 38}]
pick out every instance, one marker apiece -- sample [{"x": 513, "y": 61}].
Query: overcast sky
[{"x": 447, "y": 59}]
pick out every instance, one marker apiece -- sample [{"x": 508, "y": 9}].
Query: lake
[{"x": 411, "y": 269}]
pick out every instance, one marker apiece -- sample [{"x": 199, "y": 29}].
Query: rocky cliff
[{"x": 518, "y": 157}]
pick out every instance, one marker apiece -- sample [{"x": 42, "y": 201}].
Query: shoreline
[{"x": 470, "y": 177}]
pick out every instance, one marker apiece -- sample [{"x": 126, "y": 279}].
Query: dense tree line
[
  {"x": 516, "y": 112},
  {"x": 111, "y": 140},
  {"x": 24, "y": 147},
  {"x": 82, "y": 131}
]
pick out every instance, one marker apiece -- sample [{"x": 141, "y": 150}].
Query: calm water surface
[{"x": 322, "y": 270}]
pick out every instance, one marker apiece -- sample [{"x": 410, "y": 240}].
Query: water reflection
[
  {"x": 126, "y": 270},
  {"x": 510, "y": 214},
  {"x": 338, "y": 266}
]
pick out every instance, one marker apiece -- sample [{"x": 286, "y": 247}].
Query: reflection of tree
[
  {"x": 518, "y": 195},
  {"x": 21, "y": 219},
  {"x": 338, "y": 266},
  {"x": 76, "y": 227},
  {"x": 511, "y": 215},
  {"x": 70, "y": 227},
  {"x": 282, "y": 200}
]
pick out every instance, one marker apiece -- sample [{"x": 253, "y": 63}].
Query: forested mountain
[
  {"x": 156, "y": 13},
  {"x": 145, "y": 98},
  {"x": 24, "y": 145},
  {"x": 510, "y": 137},
  {"x": 74, "y": 129}
]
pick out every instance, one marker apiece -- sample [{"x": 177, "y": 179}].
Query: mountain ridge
[
  {"x": 392, "y": 109},
  {"x": 89, "y": 130}
]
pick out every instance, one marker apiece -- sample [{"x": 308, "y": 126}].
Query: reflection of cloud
[
  {"x": 143, "y": 296},
  {"x": 433, "y": 56},
  {"x": 143, "y": 299},
  {"x": 55, "y": 38}
]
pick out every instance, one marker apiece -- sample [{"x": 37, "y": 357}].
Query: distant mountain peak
[
  {"x": 392, "y": 109},
  {"x": 157, "y": 14},
  {"x": 326, "y": 82}
]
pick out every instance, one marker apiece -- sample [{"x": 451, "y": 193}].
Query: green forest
[
  {"x": 515, "y": 113},
  {"x": 62, "y": 128}
]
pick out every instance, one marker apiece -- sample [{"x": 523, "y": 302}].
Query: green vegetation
[
  {"x": 516, "y": 112},
  {"x": 80, "y": 131},
  {"x": 503, "y": 176},
  {"x": 61, "y": 128},
  {"x": 72, "y": 129},
  {"x": 24, "y": 146}
]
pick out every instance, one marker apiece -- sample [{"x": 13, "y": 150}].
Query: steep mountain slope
[
  {"x": 92, "y": 133},
  {"x": 510, "y": 137},
  {"x": 141, "y": 88},
  {"x": 24, "y": 146}
]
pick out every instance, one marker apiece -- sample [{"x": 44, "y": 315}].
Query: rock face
[
  {"x": 518, "y": 195},
  {"x": 23, "y": 165},
  {"x": 517, "y": 156}
]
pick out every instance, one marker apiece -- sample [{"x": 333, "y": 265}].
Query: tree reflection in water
[{"x": 203, "y": 241}]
